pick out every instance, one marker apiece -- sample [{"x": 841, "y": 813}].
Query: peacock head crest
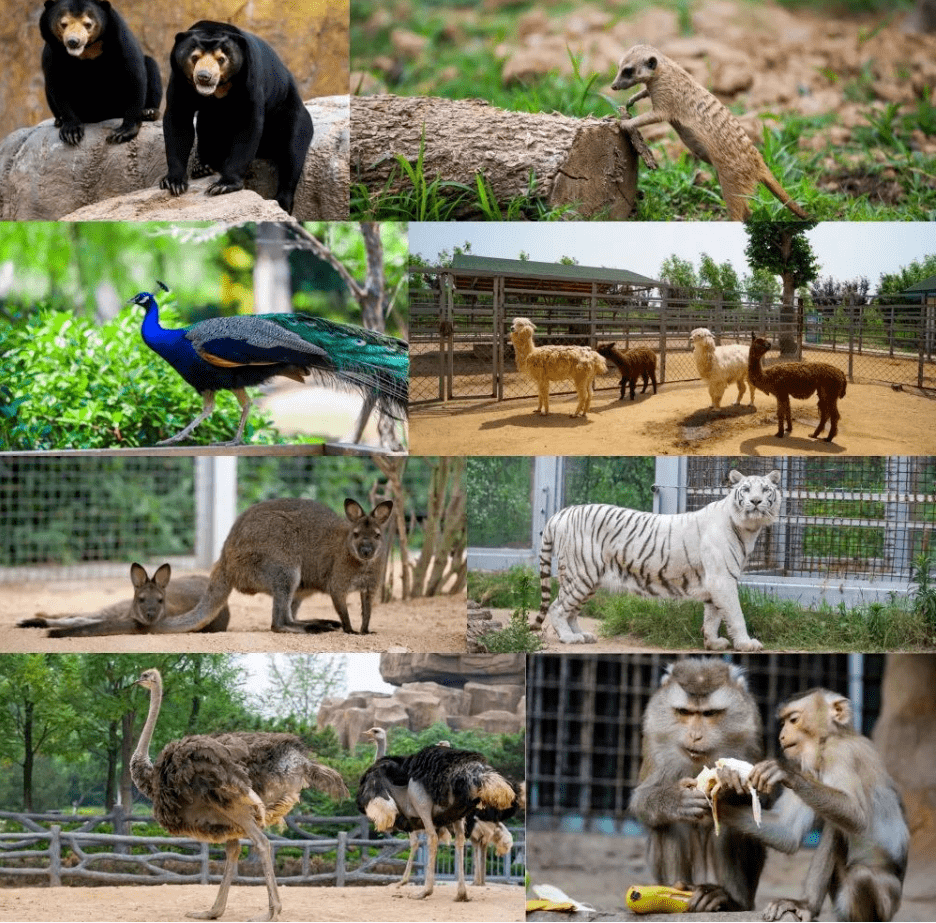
[{"x": 146, "y": 298}]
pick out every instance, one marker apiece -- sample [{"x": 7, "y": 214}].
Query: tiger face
[{"x": 756, "y": 499}]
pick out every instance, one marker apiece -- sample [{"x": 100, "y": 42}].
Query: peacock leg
[
  {"x": 462, "y": 893},
  {"x": 208, "y": 403},
  {"x": 232, "y": 850},
  {"x": 244, "y": 401}
]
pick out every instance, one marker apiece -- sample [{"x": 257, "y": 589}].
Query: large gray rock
[
  {"x": 42, "y": 178},
  {"x": 155, "y": 204},
  {"x": 485, "y": 697},
  {"x": 452, "y": 669}
]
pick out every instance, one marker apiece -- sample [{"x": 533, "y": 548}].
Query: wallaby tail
[
  {"x": 211, "y": 603},
  {"x": 771, "y": 182},
  {"x": 546, "y": 549}
]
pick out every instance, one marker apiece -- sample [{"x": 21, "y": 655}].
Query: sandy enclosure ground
[
  {"x": 172, "y": 902},
  {"x": 598, "y": 870},
  {"x": 434, "y": 624},
  {"x": 876, "y": 420}
]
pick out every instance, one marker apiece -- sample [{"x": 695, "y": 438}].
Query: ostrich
[
  {"x": 436, "y": 788},
  {"x": 218, "y": 788}
]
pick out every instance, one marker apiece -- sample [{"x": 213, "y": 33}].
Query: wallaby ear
[
  {"x": 162, "y": 575},
  {"x": 138, "y": 575},
  {"x": 353, "y": 510},
  {"x": 382, "y": 511}
]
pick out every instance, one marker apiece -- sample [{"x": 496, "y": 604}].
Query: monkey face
[{"x": 699, "y": 725}]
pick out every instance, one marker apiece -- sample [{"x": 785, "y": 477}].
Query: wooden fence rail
[{"x": 73, "y": 854}]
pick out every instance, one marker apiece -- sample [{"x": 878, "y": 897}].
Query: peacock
[{"x": 232, "y": 353}]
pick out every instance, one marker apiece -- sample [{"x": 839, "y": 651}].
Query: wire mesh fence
[
  {"x": 584, "y": 721},
  {"x": 89, "y": 517},
  {"x": 860, "y": 519},
  {"x": 460, "y": 345},
  {"x": 849, "y": 517}
]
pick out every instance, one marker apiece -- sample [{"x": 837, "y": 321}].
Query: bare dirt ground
[
  {"x": 172, "y": 902},
  {"x": 434, "y": 624},
  {"x": 876, "y": 420},
  {"x": 598, "y": 870}
]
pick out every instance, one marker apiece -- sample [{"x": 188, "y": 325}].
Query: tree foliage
[{"x": 892, "y": 284}]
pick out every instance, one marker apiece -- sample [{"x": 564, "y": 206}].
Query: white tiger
[{"x": 698, "y": 555}]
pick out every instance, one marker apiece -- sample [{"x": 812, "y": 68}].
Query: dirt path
[
  {"x": 435, "y": 624},
  {"x": 876, "y": 420},
  {"x": 172, "y": 902}
]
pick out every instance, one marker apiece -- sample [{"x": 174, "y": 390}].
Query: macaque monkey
[
  {"x": 833, "y": 774},
  {"x": 702, "y": 711}
]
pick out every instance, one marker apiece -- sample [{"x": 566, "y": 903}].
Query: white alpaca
[
  {"x": 719, "y": 366},
  {"x": 544, "y": 364}
]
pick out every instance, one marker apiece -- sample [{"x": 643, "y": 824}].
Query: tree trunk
[
  {"x": 28, "y": 755},
  {"x": 586, "y": 163}
]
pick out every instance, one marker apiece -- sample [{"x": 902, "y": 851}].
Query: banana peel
[
  {"x": 707, "y": 783},
  {"x": 656, "y": 899}
]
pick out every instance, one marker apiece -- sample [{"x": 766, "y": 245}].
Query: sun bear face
[
  {"x": 77, "y": 28},
  {"x": 209, "y": 66}
]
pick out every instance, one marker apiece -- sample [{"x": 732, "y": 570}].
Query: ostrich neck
[
  {"x": 141, "y": 767},
  {"x": 381, "y": 748}
]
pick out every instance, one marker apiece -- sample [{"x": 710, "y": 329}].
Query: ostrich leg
[
  {"x": 462, "y": 893},
  {"x": 420, "y": 800},
  {"x": 265, "y": 851},
  {"x": 413, "y": 846},
  {"x": 232, "y": 850}
]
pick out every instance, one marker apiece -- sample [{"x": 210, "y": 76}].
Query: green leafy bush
[{"x": 68, "y": 383}]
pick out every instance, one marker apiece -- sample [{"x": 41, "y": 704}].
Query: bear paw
[
  {"x": 124, "y": 133},
  {"x": 175, "y": 185},
  {"x": 222, "y": 187},
  {"x": 71, "y": 133}
]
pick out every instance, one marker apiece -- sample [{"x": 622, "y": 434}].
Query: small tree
[{"x": 781, "y": 247}]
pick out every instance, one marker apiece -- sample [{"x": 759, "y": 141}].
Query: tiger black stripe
[{"x": 686, "y": 555}]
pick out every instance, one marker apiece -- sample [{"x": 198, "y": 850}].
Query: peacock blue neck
[{"x": 155, "y": 335}]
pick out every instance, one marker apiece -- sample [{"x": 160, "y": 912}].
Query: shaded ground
[
  {"x": 876, "y": 420},
  {"x": 598, "y": 870},
  {"x": 172, "y": 902},
  {"x": 435, "y": 624}
]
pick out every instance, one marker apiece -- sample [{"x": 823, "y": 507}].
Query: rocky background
[
  {"x": 464, "y": 691},
  {"x": 311, "y": 38}
]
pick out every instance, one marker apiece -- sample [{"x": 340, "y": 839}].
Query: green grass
[
  {"x": 781, "y": 624},
  {"x": 878, "y": 175}
]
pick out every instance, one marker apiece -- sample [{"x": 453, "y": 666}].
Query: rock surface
[
  {"x": 43, "y": 179},
  {"x": 466, "y": 696}
]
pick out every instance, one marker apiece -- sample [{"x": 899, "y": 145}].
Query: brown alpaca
[
  {"x": 632, "y": 364},
  {"x": 544, "y": 364},
  {"x": 800, "y": 380}
]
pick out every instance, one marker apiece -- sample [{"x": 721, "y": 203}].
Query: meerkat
[{"x": 705, "y": 126}]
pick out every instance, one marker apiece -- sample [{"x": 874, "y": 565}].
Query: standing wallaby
[
  {"x": 154, "y": 600},
  {"x": 291, "y": 549}
]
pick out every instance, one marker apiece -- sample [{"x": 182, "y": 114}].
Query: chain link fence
[
  {"x": 460, "y": 345},
  {"x": 584, "y": 714}
]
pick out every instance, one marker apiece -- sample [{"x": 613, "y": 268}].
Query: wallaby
[
  {"x": 291, "y": 549},
  {"x": 154, "y": 600}
]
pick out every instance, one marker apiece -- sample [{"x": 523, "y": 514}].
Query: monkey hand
[
  {"x": 710, "y": 899},
  {"x": 693, "y": 804},
  {"x": 766, "y": 774},
  {"x": 777, "y": 910},
  {"x": 732, "y": 780}
]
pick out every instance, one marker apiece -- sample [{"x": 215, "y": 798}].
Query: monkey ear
[
  {"x": 840, "y": 711},
  {"x": 652, "y": 63}
]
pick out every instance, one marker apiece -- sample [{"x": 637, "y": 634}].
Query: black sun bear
[
  {"x": 95, "y": 70},
  {"x": 248, "y": 106}
]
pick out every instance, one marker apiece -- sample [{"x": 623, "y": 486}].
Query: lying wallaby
[
  {"x": 290, "y": 549},
  {"x": 152, "y": 604}
]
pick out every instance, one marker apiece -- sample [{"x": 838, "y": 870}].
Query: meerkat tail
[{"x": 771, "y": 182}]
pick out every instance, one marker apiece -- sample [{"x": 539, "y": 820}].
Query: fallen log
[{"x": 585, "y": 163}]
